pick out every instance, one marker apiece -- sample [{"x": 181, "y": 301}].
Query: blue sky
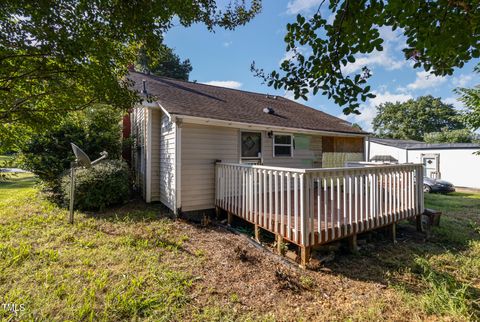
[{"x": 223, "y": 58}]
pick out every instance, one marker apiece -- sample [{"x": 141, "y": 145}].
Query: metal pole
[{"x": 72, "y": 189}]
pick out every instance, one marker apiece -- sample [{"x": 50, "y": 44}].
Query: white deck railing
[{"x": 314, "y": 206}]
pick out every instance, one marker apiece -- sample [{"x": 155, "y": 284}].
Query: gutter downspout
[{"x": 368, "y": 149}]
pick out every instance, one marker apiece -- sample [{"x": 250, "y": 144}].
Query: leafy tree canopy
[
  {"x": 59, "y": 56},
  {"x": 415, "y": 118},
  {"x": 164, "y": 63},
  {"x": 48, "y": 153},
  {"x": 440, "y": 35},
  {"x": 451, "y": 136},
  {"x": 471, "y": 99}
]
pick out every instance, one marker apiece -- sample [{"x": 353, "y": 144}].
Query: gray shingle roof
[
  {"x": 417, "y": 145},
  {"x": 213, "y": 102}
]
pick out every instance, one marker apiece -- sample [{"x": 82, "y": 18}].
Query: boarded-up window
[{"x": 327, "y": 144}]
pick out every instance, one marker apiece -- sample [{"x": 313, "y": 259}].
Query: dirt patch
[{"x": 235, "y": 273}]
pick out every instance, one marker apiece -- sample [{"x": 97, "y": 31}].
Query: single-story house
[
  {"x": 191, "y": 125},
  {"x": 454, "y": 162},
  {"x": 273, "y": 162}
]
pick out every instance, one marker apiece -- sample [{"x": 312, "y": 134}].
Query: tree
[
  {"x": 61, "y": 56},
  {"x": 48, "y": 153},
  {"x": 415, "y": 118},
  {"x": 164, "y": 63},
  {"x": 450, "y": 136},
  {"x": 357, "y": 126},
  {"x": 440, "y": 35},
  {"x": 471, "y": 99}
]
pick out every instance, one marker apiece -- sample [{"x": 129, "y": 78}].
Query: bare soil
[{"x": 254, "y": 281}]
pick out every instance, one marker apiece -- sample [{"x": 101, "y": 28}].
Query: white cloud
[
  {"x": 376, "y": 58},
  {"x": 426, "y": 80},
  {"x": 227, "y": 43},
  {"x": 228, "y": 84},
  {"x": 462, "y": 80},
  {"x": 389, "y": 97},
  {"x": 288, "y": 55},
  {"x": 291, "y": 96},
  {"x": 385, "y": 58},
  {"x": 297, "y": 6},
  {"x": 331, "y": 18},
  {"x": 291, "y": 54},
  {"x": 454, "y": 101},
  {"x": 369, "y": 111}
]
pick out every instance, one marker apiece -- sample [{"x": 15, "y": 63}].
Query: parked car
[{"x": 435, "y": 185}]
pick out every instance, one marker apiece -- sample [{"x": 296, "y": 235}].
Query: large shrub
[
  {"x": 49, "y": 154},
  {"x": 105, "y": 184}
]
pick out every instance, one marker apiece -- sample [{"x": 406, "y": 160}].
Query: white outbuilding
[{"x": 458, "y": 163}]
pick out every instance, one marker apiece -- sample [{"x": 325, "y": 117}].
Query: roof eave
[{"x": 257, "y": 126}]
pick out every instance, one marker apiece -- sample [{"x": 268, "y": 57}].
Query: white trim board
[
  {"x": 178, "y": 167},
  {"x": 148, "y": 194}
]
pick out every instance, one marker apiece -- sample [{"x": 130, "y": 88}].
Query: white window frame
[{"x": 281, "y": 144}]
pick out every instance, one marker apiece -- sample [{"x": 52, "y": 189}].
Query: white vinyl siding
[
  {"x": 167, "y": 162},
  {"x": 307, "y": 152},
  {"x": 139, "y": 127},
  {"x": 201, "y": 146},
  {"x": 156, "y": 116}
]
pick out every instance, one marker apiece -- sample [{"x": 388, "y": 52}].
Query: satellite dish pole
[
  {"x": 81, "y": 159},
  {"x": 73, "y": 164}
]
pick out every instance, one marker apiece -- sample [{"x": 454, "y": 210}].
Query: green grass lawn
[
  {"x": 15, "y": 185},
  {"x": 107, "y": 269},
  {"x": 451, "y": 271},
  {"x": 135, "y": 263}
]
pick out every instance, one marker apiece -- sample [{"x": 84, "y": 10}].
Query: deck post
[
  {"x": 217, "y": 212},
  {"x": 304, "y": 255},
  {"x": 419, "y": 223},
  {"x": 229, "y": 218},
  {"x": 279, "y": 239},
  {"x": 352, "y": 244},
  {"x": 393, "y": 232},
  {"x": 257, "y": 233}
]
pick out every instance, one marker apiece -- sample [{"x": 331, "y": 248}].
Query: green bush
[
  {"x": 105, "y": 184},
  {"x": 48, "y": 154}
]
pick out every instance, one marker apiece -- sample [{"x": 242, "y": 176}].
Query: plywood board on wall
[{"x": 344, "y": 144}]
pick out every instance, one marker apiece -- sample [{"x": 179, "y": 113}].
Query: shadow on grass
[
  {"x": 17, "y": 181},
  {"x": 135, "y": 210}
]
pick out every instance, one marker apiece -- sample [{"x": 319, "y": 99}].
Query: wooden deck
[{"x": 309, "y": 207}]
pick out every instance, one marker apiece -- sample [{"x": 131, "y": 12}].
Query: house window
[{"x": 282, "y": 145}]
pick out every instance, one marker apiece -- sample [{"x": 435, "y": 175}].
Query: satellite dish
[
  {"x": 82, "y": 157},
  {"x": 84, "y": 161}
]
